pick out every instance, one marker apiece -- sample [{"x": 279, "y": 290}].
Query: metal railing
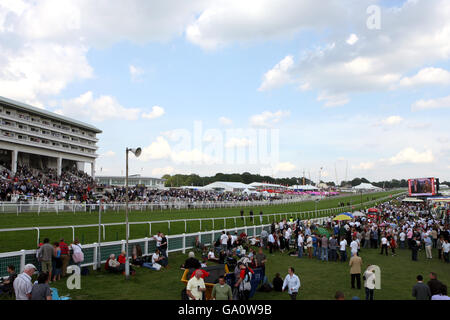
[{"x": 264, "y": 218}]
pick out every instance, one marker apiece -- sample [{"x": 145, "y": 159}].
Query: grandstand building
[
  {"x": 41, "y": 139},
  {"x": 133, "y": 180}
]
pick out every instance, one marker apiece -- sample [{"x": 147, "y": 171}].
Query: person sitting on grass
[
  {"x": 137, "y": 256},
  {"x": 191, "y": 262},
  {"x": 7, "y": 285},
  {"x": 211, "y": 256},
  {"x": 114, "y": 265}
]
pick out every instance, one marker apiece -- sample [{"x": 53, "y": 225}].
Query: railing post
[
  {"x": 123, "y": 245},
  {"x": 146, "y": 246},
  {"x": 184, "y": 243},
  {"x": 22, "y": 260},
  {"x": 96, "y": 247}
]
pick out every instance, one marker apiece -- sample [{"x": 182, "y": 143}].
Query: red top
[
  {"x": 121, "y": 259},
  {"x": 243, "y": 272},
  {"x": 204, "y": 273},
  {"x": 64, "y": 248}
]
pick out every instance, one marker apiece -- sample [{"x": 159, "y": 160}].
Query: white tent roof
[
  {"x": 266, "y": 185},
  {"x": 412, "y": 200},
  {"x": 303, "y": 187},
  {"x": 228, "y": 186},
  {"x": 365, "y": 186}
]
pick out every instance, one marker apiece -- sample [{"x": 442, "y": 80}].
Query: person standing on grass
[
  {"x": 393, "y": 245},
  {"x": 309, "y": 246},
  {"x": 41, "y": 290},
  {"x": 271, "y": 242},
  {"x": 414, "y": 248},
  {"x": 65, "y": 257},
  {"x": 369, "y": 282},
  {"x": 163, "y": 246},
  {"x": 292, "y": 282},
  {"x": 384, "y": 244},
  {"x": 45, "y": 257},
  {"x": 221, "y": 290},
  {"x": 420, "y": 290},
  {"x": 343, "y": 249},
  {"x": 324, "y": 247},
  {"x": 428, "y": 246},
  {"x": 300, "y": 245},
  {"x": 22, "y": 285},
  {"x": 333, "y": 247},
  {"x": 196, "y": 286},
  {"x": 242, "y": 215},
  {"x": 402, "y": 237},
  {"x": 446, "y": 250},
  {"x": 251, "y": 215},
  {"x": 260, "y": 217},
  {"x": 355, "y": 264},
  {"x": 354, "y": 246},
  {"x": 440, "y": 246},
  {"x": 224, "y": 241},
  {"x": 434, "y": 284}
]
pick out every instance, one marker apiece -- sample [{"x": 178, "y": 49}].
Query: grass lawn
[
  {"x": 319, "y": 280},
  {"x": 13, "y": 241}
]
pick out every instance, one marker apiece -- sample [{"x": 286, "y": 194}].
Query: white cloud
[
  {"x": 225, "y": 121},
  {"x": 135, "y": 73},
  {"x": 333, "y": 100},
  {"x": 352, "y": 39},
  {"x": 97, "y": 109},
  {"x": 268, "y": 119},
  {"x": 156, "y": 112},
  {"x": 437, "y": 103},
  {"x": 364, "y": 165},
  {"x": 284, "y": 167},
  {"x": 410, "y": 155},
  {"x": 278, "y": 75},
  {"x": 392, "y": 120},
  {"x": 163, "y": 171},
  {"x": 108, "y": 154},
  {"x": 159, "y": 149},
  {"x": 238, "y": 143},
  {"x": 427, "y": 76}
]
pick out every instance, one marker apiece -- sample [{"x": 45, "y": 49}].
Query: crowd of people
[{"x": 45, "y": 185}]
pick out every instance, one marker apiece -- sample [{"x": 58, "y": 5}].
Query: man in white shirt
[
  {"x": 354, "y": 246},
  {"x": 224, "y": 241},
  {"x": 196, "y": 286},
  {"x": 402, "y": 236},
  {"x": 342, "y": 249},
  {"x": 300, "y": 245},
  {"x": 22, "y": 284},
  {"x": 309, "y": 245},
  {"x": 446, "y": 250},
  {"x": 271, "y": 242},
  {"x": 384, "y": 244},
  {"x": 292, "y": 282}
]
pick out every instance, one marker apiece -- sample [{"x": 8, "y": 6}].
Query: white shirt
[
  {"x": 223, "y": 239},
  {"x": 354, "y": 246},
  {"x": 292, "y": 282},
  {"x": 402, "y": 236},
  {"x": 343, "y": 244},
  {"x": 76, "y": 247},
  {"x": 158, "y": 240},
  {"x": 22, "y": 286},
  {"x": 155, "y": 258},
  {"x": 233, "y": 239},
  {"x": 211, "y": 255},
  {"x": 271, "y": 238},
  {"x": 370, "y": 279},
  {"x": 446, "y": 247},
  {"x": 300, "y": 240},
  {"x": 383, "y": 240},
  {"x": 309, "y": 242}
]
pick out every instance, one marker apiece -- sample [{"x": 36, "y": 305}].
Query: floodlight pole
[{"x": 127, "y": 263}]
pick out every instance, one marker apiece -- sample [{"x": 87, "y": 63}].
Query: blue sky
[{"x": 314, "y": 76}]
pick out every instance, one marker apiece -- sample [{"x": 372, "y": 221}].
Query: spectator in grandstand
[
  {"x": 45, "y": 257},
  {"x": 196, "y": 286},
  {"x": 22, "y": 285},
  {"x": 65, "y": 257},
  {"x": 7, "y": 285},
  {"x": 56, "y": 262},
  {"x": 292, "y": 283},
  {"x": 41, "y": 290},
  {"x": 221, "y": 290},
  {"x": 420, "y": 290}
]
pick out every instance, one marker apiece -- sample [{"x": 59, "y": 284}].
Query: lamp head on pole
[{"x": 137, "y": 151}]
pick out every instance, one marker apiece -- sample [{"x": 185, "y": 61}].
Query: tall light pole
[{"x": 137, "y": 153}]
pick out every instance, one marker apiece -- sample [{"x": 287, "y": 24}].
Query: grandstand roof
[
  {"x": 48, "y": 114},
  {"x": 228, "y": 186}
]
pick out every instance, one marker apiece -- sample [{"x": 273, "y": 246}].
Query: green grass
[
  {"x": 319, "y": 280},
  {"x": 17, "y": 240}
]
